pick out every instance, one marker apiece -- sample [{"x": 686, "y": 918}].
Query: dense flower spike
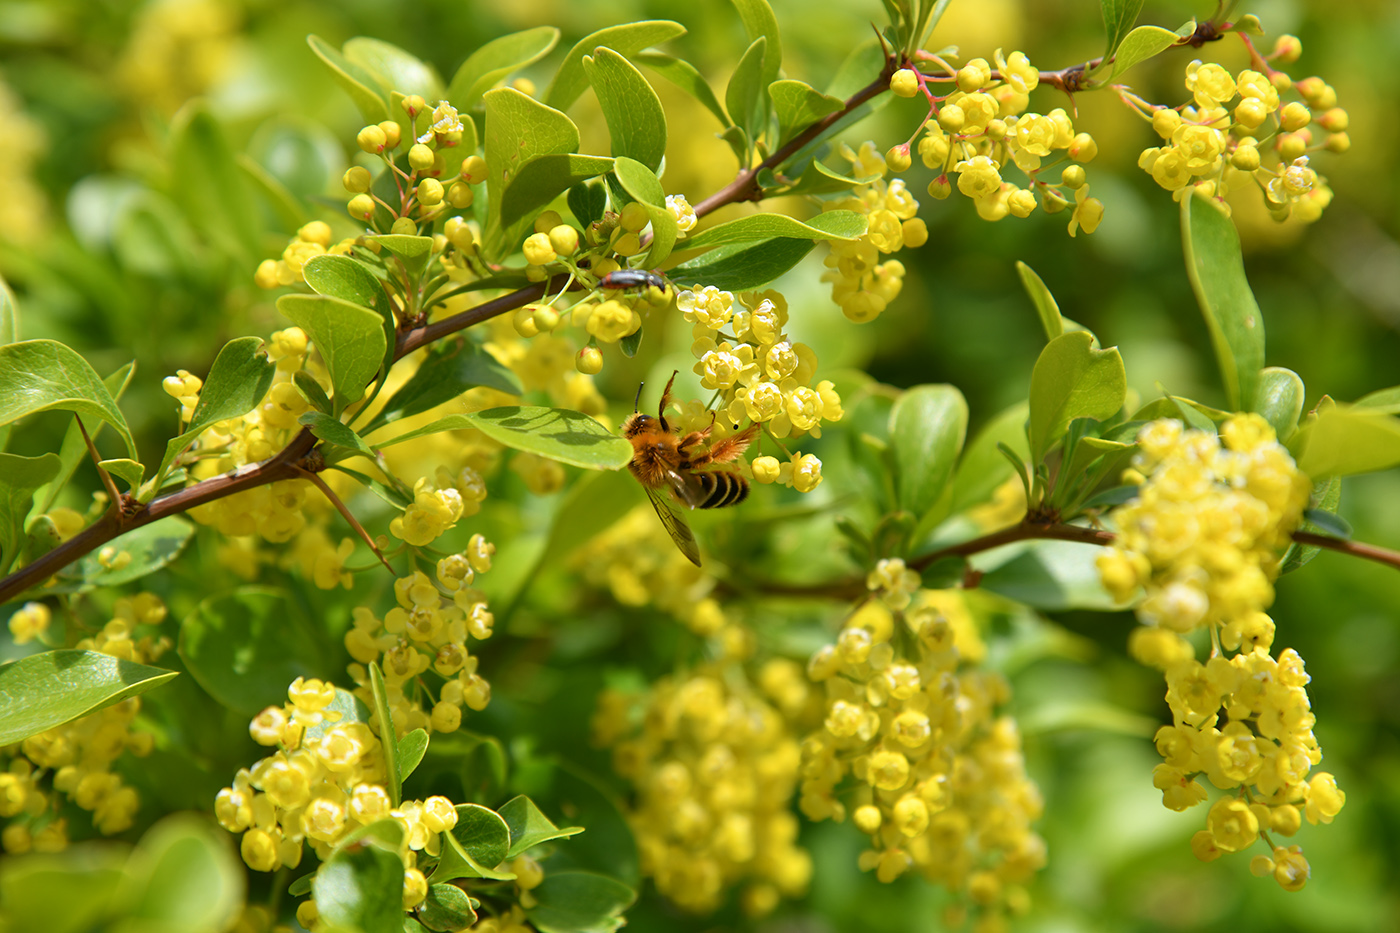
[{"x": 1203, "y": 539}]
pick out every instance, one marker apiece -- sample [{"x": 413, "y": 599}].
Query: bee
[{"x": 664, "y": 459}]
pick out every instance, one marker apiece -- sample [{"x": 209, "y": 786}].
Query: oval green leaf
[
  {"x": 1072, "y": 379},
  {"x": 410, "y": 751},
  {"x": 496, "y": 59},
  {"x": 151, "y": 547},
  {"x": 336, "y": 432},
  {"x": 519, "y": 129},
  {"x": 578, "y": 901},
  {"x": 447, "y": 908},
  {"x": 452, "y": 367},
  {"x": 42, "y": 375},
  {"x": 19, "y": 478},
  {"x": 831, "y": 225},
  {"x": 928, "y": 425},
  {"x": 557, "y": 433},
  {"x": 362, "y": 86},
  {"x": 644, "y": 187},
  {"x": 570, "y": 80},
  {"x": 636, "y": 120},
  {"x": 529, "y": 827},
  {"x": 741, "y": 266},
  {"x": 349, "y": 337},
  {"x": 1280, "y": 400},
  {"x": 798, "y": 105},
  {"x": 742, "y": 96},
  {"x": 361, "y": 888},
  {"x": 1044, "y": 302},
  {"x": 543, "y": 179},
  {"x": 1346, "y": 441},
  {"x": 236, "y": 383},
  {"x": 46, "y": 690},
  {"x": 183, "y": 876},
  {"x": 394, "y": 68}
]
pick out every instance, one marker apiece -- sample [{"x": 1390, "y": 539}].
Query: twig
[
  {"x": 347, "y": 515},
  {"x": 116, "y": 497},
  {"x": 1355, "y": 548}
]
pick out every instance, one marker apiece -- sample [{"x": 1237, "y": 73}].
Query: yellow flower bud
[
  {"x": 460, "y": 195},
  {"x": 371, "y": 139},
  {"x": 474, "y": 169},
  {"x": 564, "y": 239},
  {"x": 392, "y": 134},
  {"x": 633, "y": 217},
  {"x": 940, "y": 188},
  {"x": 1083, "y": 148},
  {"x": 413, "y": 105},
  {"x": 1165, "y": 122},
  {"x": 429, "y": 192},
  {"x": 1287, "y": 49},
  {"x": 904, "y": 83},
  {"x": 589, "y": 361},
  {"x": 547, "y": 221},
  {"x": 356, "y": 179},
  {"x": 361, "y": 207},
  {"x": 404, "y": 226},
  {"x": 1295, "y": 116},
  {"x": 538, "y": 250},
  {"x": 420, "y": 157},
  {"x": 898, "y": 158}
]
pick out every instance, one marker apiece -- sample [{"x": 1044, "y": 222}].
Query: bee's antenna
[{"x": 637, "y": 402}]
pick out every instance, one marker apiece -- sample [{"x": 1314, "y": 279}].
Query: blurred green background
[{"x": 104, "y": 249}]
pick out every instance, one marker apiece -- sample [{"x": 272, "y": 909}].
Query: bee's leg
[{"x": 666, "y": 400}]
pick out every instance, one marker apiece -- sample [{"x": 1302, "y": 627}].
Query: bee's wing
[
  {"x": 687, "y": 487},
  {"x": 675, "y": 526}
]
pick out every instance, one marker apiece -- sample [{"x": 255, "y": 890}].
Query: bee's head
[{"x": 636, "y": 423}]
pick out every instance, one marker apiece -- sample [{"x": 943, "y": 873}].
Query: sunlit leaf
[{"x": 48, "y": 689}]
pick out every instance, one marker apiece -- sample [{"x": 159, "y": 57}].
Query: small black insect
[{"x": 632, "y": 278}]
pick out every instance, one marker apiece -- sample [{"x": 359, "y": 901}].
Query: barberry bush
[{"x": 334, "y": 605}]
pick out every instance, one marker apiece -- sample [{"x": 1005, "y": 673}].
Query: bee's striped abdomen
[{"x": 721, "y": 488}]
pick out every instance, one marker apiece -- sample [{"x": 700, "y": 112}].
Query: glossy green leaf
[
  {"x": 982, "y": 467},
  {"x": 636, "y": 120},
  {"x": 927, "y": 427},
  {"x": 579, "y": 901},
  {"x": 685, "y": 76},
  {"x": 451, "y": 368},
  {"x": 742, "y": 96},
  {"x": 1143, "y": 43},
  {"x": 630, "y": 344},
  {"x": 246, "y": 646},
  {"x": 1044, "y": 302},
  {"x": 1382, "y": 401},
  {"x": 410, "y": 751},
  {"x": 483, "y": 834},
  {"x": 557, "y": 433},
  {"x": 1216, "y": 269},
  {"x": 798, "y": 105},
  {"x": 360, "y": 84},
  {"x": 150, "y": 547},
  {"x": 454, "y": 863},
  {"x": 1049, "y": 575},
  {"x": 349, "y": 337},
  {"x": 644, "y": 187},
  {"x": 127, "y": 470},
  {"x": 237, "y": 382},
  {"x": 496, "y": 59},
  {"x": 361, "y": 888},
  {"x": 347, "y": 279},
  {"x": 46, "y": 690},
  {"x": 209, "y": 185},
  {"x": 413, "y": 251},
  {"x": 543, "y": 179},
  {"x": 447, "y": 907},
  {"x": 1346, "y": 441},
  {"x": 394, "y": 68},
  {"x": 570, "y": 80},
  {"x": 387, "y": 736},
  {"x": 1280, "y": 400},
  {"x": 73, "y": 450},
  {"x": 1118, "y": 18},
  {"x": 529, "y": 827},
  {"x": 742, "y": 266},
  {"x": 311, "y": 390},
  {"x": 519, "y": 129},
  {"x": 336, "y": 432},
  {"x": 20, "y": 477},
  {"x": 588, "y": 202},
  {"x": 1072, "y": 379},
  {"x": 831, "y": 225},
  {"x": 759, "y": 21},
  {"x": 42, "y": 375},
  {"x": 183, "y": 875}
]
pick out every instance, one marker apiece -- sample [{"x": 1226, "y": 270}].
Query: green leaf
[
  {"x": 742, "y": 96},
  {"x": 579, "y": 901},
  {"x": 519, "y": 129},
  {"x": 236, "y": 383},
  {"x": 1118, "y": 18},
  {"x": 983, "y": 468},
  {"x": 9, "y": 315},
  {"x": 1044, "y": 302},
  {"x": 65, "y": 892},
  {"x": 588, "y": 203},
  {"x": 151, "y": 547},
  {"x": 246, "y": 646},
  {"x": 1050, "y": 575},
  {"x": 496, "y": 59},
  {"x": 543, "y": 179},
  {"x": 447, "y": 907},
  {"x": 626, "y": 40},
  {"x": 630, "y": 344},
  {"x": 128, "y": 470},
  {"x": 475, "y": 846},
  {"x": 336, "y": 432},
  {"x": 46, "y": 690},
  {"x": 798, "y": 105},
  {"x": 1346, "y": 441},
  {"x": 183, "y": 875},
  {"x": 1143, "y": 43},
  {"x": 928, "y": 425},
  {"x": 73, "y": 450},
  {"x": 1326, "y": 497},
  {"x": 311, "y": 390},
  {"x": 451, "y": 368},
  {"x": 349, "y": 337},
  {"x": 394, "y": 68},
  {"x": 411, "y": 749},
  {"x": 609, "y": 846},
  {"x": 343, "y": 710},
  {"x": 759, "y": 21},
  {"x": 388, "y": 738},
  {"x": 636, "y": 119},
  {"x": 209, "y": 185},
  {"x": 1280, "y": 400},
  {"x": 1382, "y": 401},
  {"x": 742, "y": 266},
  {"x": 414, "y": 251},
  {"x": 360, "y": 888},
  {"x": 360, "y": 84},
  {"x": 1328, "y": 523},
  {"x": 557, "y": 433},
  {"x": 1216, "y": 270},
  {"x": 19, "y": 478},
  {"x": 687, "y": 77},
  {"x": 1072, "y": 380},
  {"x": 42, "y": 375},
  {"x": 529, "y": 827},
  {"x": 645, "y": 188},
  {"x": 831, "y": 225},
  {"x": 347, "y": 279}
]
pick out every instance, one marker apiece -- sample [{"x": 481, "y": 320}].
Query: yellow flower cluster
[
  {"x": 940, "y": 781},
  {"x": 312, "y": 240},
  {"x": 435, "y": 509},
  {"x": 72, "y": 763},
  {"x": 1203, "y": 534},
  {"x": 1203, "y": 538},
  {"x": 430, "y": 158},
  {"x": 983, "y": 126},
  {"x": 860, "y": 283},
  {"x": 426, "y": 630},
  {"x": 714, "y": 766},
  {"x": 326, "y": 779},
  {"x": 1237, "y": 129}
]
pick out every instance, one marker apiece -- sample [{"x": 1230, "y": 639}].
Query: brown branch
[
  {"x": 346, "y": 514},
  {"x": 1355, "y": 548}
]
